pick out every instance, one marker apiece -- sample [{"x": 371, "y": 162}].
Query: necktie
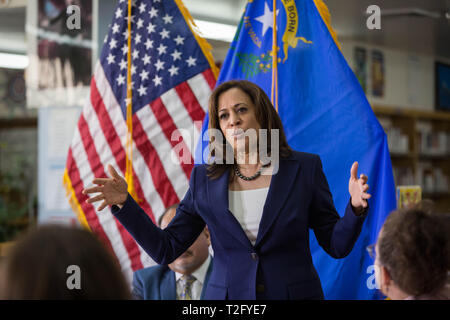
[{"x": 186, "y": 282}]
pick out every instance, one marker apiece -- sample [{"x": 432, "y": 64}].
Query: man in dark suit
[{"x": 183, "y": 279}]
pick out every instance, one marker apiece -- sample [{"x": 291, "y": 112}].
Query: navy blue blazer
[
  {"x": 158, "y": 283},
  {"x": 279, "y": 265}
]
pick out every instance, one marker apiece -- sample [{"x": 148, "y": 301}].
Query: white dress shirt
[
  {"x": 197, "y": 285},
  {"x": 247, "y": 206}
]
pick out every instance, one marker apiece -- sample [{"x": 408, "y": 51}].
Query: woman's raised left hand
[{"x": 358, "y": 189}]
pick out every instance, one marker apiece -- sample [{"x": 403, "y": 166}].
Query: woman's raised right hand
[{"x": 113, "y": 191}]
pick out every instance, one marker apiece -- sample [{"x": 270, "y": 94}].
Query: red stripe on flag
[
  {"x": 98, "y": 170},
  {"x": 88, "y": 209},
  {"x": 168, "y": 127},
  {"x": 209, "y": 76},
  {"x": 190, "y": 102},
  {"x": 117, "y": 149},
  {"x": 161, "y": 181}
]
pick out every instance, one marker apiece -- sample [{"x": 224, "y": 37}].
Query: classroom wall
[{"x": 409, "y": 77}]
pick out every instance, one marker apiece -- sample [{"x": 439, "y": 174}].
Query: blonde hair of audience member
[
  {"x": 195, "y": 255},
  {"x": 412, "y": 254},
  {"x": 37, "y": 267}
]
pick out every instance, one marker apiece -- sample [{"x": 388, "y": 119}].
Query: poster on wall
[
  {"x": 60, "y": 51},
  {"x": 13, "y": 94},
  {"x": 414, "y": 80},
  {"x": 377, "y": 74},
  {"x": 55, "y": 131},
  {"x": 361, "y": 66},
  {"x": 442, "y": 86}
]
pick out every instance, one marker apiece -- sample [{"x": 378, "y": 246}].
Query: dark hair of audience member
[
  {"x": 161, "y": 217},
  {"x": 415, "y": 249},
  {"x": 37, "y": 267}
]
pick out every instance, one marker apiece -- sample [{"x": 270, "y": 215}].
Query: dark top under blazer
[
  {"x": 158, "y": 283},
  {"x": 280, "y": 263}
]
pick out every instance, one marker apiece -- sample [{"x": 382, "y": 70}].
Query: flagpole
[
  {"x": 274, "y": 94},
  {"x": 129, "y": 142}
]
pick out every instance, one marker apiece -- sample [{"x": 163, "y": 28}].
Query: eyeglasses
[{"x": 371, "y": 250}]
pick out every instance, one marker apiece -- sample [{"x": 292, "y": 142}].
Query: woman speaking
[{"x": 258, "y": 214}]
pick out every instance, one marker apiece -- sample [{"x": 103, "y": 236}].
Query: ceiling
[
  {"x": 404, "y": 32},
  {"x": 408, "y": 33},
  {"x": 12, "y": 30}
]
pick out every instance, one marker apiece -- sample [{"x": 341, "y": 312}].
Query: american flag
[{"x": 173, "y": 75}]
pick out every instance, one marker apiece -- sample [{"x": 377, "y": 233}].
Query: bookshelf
[
  {"x": 419, "y": 143},
  {"x": 18, "y": 158},
  {"x": 5, "y": 247}
]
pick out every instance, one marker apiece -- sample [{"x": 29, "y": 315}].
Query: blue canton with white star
[{"x": 164, "y": 52}]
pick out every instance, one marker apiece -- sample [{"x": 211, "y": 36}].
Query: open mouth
[{"x": 238, "y": 133}]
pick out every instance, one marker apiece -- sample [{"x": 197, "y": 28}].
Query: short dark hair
[
  {"x": 37, "y": 266},
  {"x": 414, "y": 248},
  {"x": 266, "y": 115},
  {"x": 174, "y": 206}
]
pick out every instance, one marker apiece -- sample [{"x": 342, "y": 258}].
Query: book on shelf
[
  {"x": 398, "y": 142},
  {"x": 434, "y": 143},
  {"x": 432, "y": 178},
  {"x": 403, "y": 175}
]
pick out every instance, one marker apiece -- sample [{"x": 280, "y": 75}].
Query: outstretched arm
[
  {"x": 163, "y": 246},
  {"x": 337, "y": 235}
]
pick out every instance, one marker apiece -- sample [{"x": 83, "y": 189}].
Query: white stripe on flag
[
  {"x": 164, "y": 151},
  {"x": 146, "y": 260},
  {"x": 106, "y": 220},
  {"x": 140, "y": 167},
  {"x": 181, "y": 118},
  {"x": 103, "y": 150},
  {"x": 101, "y": 145},
  {"x": 201, "y": 90}
]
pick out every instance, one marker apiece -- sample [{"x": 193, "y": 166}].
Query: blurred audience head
[
  {"x": 59, "y": 262},
  {"x": 195, "y": 255},
  {"x": 412, "y": 254}
]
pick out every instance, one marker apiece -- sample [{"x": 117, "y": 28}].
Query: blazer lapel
[
  {"x": 205, "y": 283},
  {"x": 280, "y": 188},
  {"x": 168, "y": 289},
  {"x": 218, "y": 201}
]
